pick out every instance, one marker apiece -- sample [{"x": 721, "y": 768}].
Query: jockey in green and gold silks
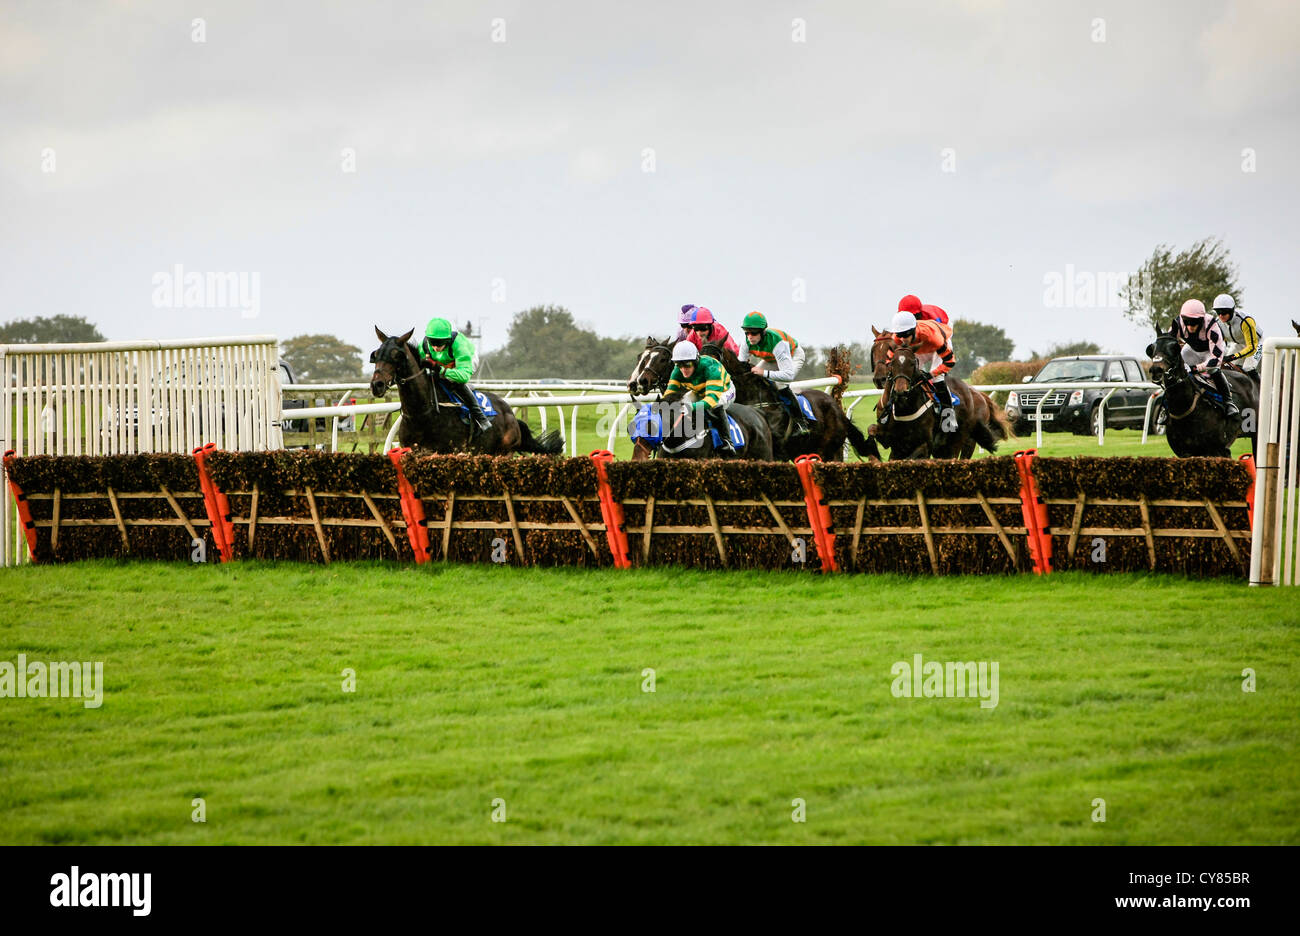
[
  {"x": 705, "y": 377},
  {"x": 452, "y": 358}
]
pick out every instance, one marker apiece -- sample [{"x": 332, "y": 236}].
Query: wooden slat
[
  {"x": 1157, "y": 532},
  {"x": 1146, "y": 528},
  {"x": 117, "y": 515},
  {"x": 176, "y": 508},
  {"x": 446, "y": 528},
  {"x": 388, "y": 530},
  {"x": 252, "y": 517},
  {"x": 780, "y": 520},
  {"x": 112, "y": 522},
  {"x": 320, "y": 530},
  {"x": 649, "y": 528},
  {"x": 514, "y": 528},
  {"x": 1223, "y": 530},
  {"x": 997, "y": 528},
  {"x": 929, "y": 536},
  {"x": 857, "y": 530},
  {"x": 1079, "y": 506},
  {"x": 577, "y": 518},
  {"x": 717, "y": 530},
  {"x": 728, "y": 530},
  {"x": 54, "y": 531}
]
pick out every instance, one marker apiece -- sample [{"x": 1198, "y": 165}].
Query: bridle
[
  {"x": 417, "y": 374},
  {"x": 888, "y": 399},
  {"x": 1176, "y": 370},
  {"x": 643, "y": 367}
]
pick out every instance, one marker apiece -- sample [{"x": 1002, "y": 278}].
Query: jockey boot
[
  {"x": 798, "y": 422},
  {"x": 1221, "y": 384},
  {"x": 716, "y": 418},
  {"x": 481, "y": 422},
  {"x": 944, "y": 398}
]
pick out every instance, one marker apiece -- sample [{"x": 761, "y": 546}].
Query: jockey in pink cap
[
  {"x": 1204, "y": 347},
  {"x": 698, "y": 327}
]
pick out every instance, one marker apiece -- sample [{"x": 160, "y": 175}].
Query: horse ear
[
  {"x": 875, "y": 332},
  {"x": 407, "y": 337},
  {"x": 382, "y": 336}
]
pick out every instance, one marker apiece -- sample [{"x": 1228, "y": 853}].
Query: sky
[{"x": 372, "y": 163}]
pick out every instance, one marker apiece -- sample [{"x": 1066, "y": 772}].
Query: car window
[
  {"x": 285, "y": 377},
  {"x": 1069, "y": 369},
  {"x": 1115, "y": 371},
  {"x": 1134, "y": 372}
]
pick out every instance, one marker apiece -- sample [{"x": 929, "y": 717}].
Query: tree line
[{"x": 547, "y": 341}]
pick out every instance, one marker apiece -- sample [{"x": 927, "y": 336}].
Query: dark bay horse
[
  {"x": 434, "y": 423},
  {"x": 826, "y": 434},
  {"x": 910, "y": 418},
  {"x": 978, "y": 419},
  {"x": 1195, "y": 425}
]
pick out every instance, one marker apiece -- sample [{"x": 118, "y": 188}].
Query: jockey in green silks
[{"x": 452, "y": 358}]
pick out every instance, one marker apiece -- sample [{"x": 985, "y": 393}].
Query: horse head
[
  {"x": 882, "y": 352},
  {"x": 652, "y": 367},
  {"x": 902, "y": 373},
  {"x": 393, "y": 361},
  {"x": 1166, "y": 356}
]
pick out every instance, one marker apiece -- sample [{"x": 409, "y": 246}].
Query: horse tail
[
  {"x": 861, "y": 444},
  {"x": 999, "y": 423},
  {"x": 549, "y": 443}
]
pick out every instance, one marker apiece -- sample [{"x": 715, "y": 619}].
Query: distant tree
[
  {"x": 322, "y": 359},
  {"x": 975, "y": 344},
  {"x": 49, "y": 330},
  {"x": 1202, "y": 271},
  {"x": 1066, "y": 349},
  {"x": 545, "y": 341}
]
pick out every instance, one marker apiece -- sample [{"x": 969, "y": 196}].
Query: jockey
[
  {"x": 452, "y": 358},
  {"x": 933, "y": 313},
  {"x": 932, "y": 343},
  {"x": 1240, "y": 332},
  {"x": 1203, "y": 347},
  {"x": 705, "y": 377},
  {"x": 779, "y": 360},
  {"x": 698, "y": 326}
]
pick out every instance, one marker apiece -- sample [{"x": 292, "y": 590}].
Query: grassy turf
[{"x": 225, "y": 683}]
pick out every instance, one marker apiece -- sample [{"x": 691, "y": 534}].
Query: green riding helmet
[
  {"x": 439, "y": 330},
  {"x": 754, "y": 320}
]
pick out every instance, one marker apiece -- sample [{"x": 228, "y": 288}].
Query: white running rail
[
  {"x": 121, "y": 397},
  {"x": 1274, "y": 559}
]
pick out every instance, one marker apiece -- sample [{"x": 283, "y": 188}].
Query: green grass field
[{"x": 526, "y": 685}]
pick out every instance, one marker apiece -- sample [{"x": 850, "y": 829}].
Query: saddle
[
  {"x": 484, "y": 402},
  {"x": 933, "y": 393},
  {"x": 804, "y": 407}
]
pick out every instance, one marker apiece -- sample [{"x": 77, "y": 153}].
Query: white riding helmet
[
  {"x": 1224, "y": 303},
  {"x": 903, "y": 322},
  {"x": 685, "y": 351}
]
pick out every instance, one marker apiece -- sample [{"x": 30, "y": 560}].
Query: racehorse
[
  {"x": 908, "y": 414},
  {"x": 1193, "y": 429},
  {"x": 682, "y": 433},
  {"x": 826, "y": 431},
  {"x": 977, "y": 413},
  {"x": 436, "y": 424}
]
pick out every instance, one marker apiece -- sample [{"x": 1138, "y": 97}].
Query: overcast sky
[{"x": 963, "y": 151}]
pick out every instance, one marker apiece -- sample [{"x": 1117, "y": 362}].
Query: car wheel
[{"x": 1094, "y": 419}]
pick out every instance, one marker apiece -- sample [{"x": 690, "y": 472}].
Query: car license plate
[{"x": 1047, "y": 417}]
